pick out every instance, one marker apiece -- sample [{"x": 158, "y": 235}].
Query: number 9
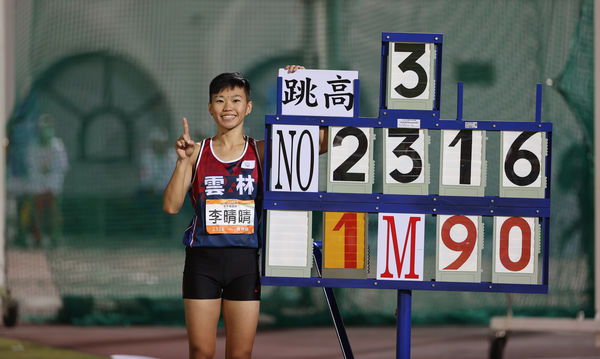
[{"x": 465, "y": 247}]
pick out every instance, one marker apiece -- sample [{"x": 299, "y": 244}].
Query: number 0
[{"x": 526, "y": 237}]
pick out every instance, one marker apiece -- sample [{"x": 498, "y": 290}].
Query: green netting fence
[{"x": 87, "y": 242}]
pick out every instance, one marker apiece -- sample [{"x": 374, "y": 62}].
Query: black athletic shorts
[{"x": 229, "y": 273}]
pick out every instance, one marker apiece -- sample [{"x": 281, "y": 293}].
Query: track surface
[{"x": 312, "y": 343}]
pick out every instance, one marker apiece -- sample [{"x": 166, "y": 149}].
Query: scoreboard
[{"x": 386, "y": 184}]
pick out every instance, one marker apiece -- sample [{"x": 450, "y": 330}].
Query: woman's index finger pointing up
[{"x": 186, "y": 130}]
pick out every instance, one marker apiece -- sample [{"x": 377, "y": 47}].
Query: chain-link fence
[{"x": 101, "y": 87}]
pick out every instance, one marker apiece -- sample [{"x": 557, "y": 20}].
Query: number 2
[{"x": 341, "y": 172}]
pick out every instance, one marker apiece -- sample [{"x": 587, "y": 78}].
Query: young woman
[{"x": 223, "y": 177}]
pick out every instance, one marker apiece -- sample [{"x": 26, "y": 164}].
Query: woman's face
[{"x": 229, "y": 107}]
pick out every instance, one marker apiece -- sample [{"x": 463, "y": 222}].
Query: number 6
[{"x": 514, "y": 154}]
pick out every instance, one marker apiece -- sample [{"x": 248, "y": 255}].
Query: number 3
[
  {"x": 410, "y": 64},
  {"x": 405, "y": 149}
]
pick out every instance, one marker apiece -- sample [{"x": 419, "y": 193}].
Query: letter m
[{"x": 410, "y": 235}]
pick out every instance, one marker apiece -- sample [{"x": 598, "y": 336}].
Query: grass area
[{"x": 17, "y": 349}]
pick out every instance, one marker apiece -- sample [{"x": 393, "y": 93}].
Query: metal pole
[
  {"x": 320, "y": 36},
  {"x": 6, "y": 101},
  {"x": 404, "y": 324},
  {"x": 333, "y": 34},
  {"x": 310, "y": 48},
  {"x": 597, "y": 160},
  {"x": 334, "y": 310},
  {"x": 459, "y": 102}
]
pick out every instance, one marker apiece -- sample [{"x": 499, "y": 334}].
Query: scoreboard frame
[{"x": 422, "y": 114}]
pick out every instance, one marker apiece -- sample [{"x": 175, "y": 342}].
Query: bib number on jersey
[{"x": 229, "y": 216}]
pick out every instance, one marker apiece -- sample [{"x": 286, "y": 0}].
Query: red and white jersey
[{"x": 226, "y": 198}]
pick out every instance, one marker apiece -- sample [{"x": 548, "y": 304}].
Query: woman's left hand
[{"x": 293, "y": 68}]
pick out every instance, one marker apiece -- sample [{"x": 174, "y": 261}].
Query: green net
[{"x": 101, "y": 87}]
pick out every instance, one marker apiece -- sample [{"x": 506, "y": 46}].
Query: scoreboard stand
[
  {"x": 334, "y": 310},
  {"x": 409, "y": 112}
]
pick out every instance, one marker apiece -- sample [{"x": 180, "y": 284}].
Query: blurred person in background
[
  {"x": 155, "y": 168},
  {"x": 156, "y": 162},
  {"x": 47, "y": 166}
]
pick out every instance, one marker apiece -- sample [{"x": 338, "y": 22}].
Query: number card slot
[
  {"x": 411, "y": 75},
  {"x": 406, "y": 163},
  {"x": 516, "y": 249},
  {"x": 344, "y": 245},
  {"x": 350, "y": 160},
  {"x": 522, "y": 164},
  {"x": 459, "y": 247},
  {"x": 463, "y": 169},
  {"x": 400, "y": 246},
  {"x": 295, "y": 158},
  {"x": 288, "y": 244}
]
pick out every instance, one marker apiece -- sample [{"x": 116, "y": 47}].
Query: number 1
[
  {"x": 466, "y": 150},
  {"x": 349, "y": 222}
]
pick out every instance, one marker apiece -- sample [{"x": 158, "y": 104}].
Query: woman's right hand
[{"x": 184, "y": 146}]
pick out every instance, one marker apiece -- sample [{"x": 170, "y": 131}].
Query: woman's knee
[
  {"x": 240, "y": 354},
  {"x": 200, "y": 352}
]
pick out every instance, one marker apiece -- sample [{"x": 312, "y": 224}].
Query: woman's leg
[
  {"x": 241, "y": 319},
  {"x": 202, "y": 318}
]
